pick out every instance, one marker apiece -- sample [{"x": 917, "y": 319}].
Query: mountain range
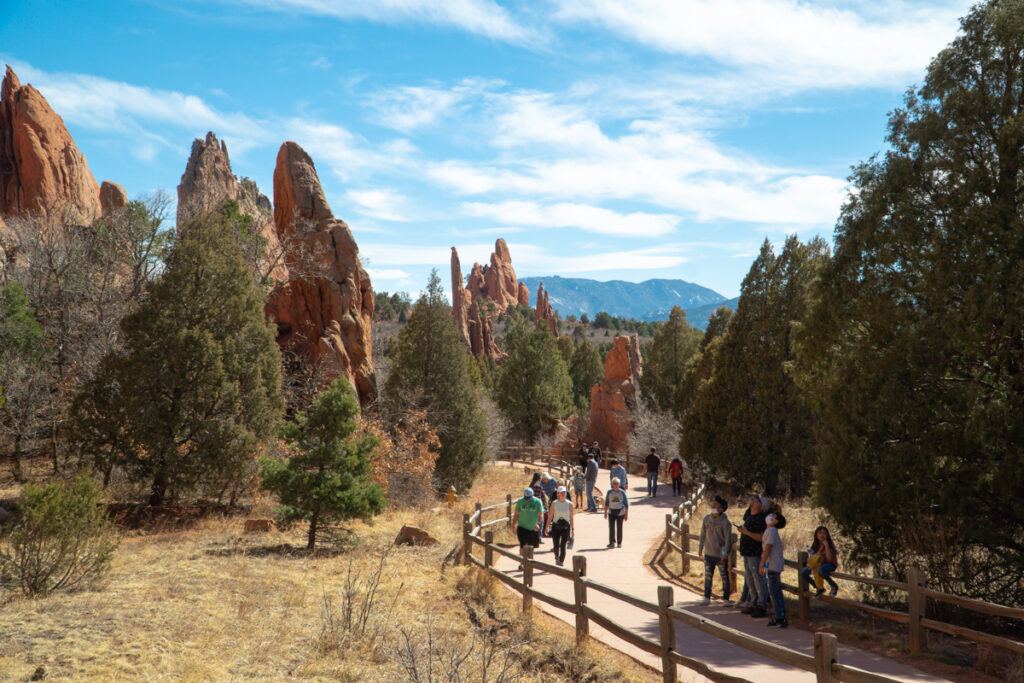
[{"x": 649, "y": 300}]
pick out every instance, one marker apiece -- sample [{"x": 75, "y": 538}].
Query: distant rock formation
[
  {"x": 323, "y": 316},
  {"x": 41, "y": 168},
  {"x": 613, "y": 401},
  {"x": 208, "y": 182},
  {"x": 112, "y": 198},
  {"x": 496, "y": 282},
  {"x": 544, "y": 313},
  {"x": 470, "y": 313},
  {"x": 523, "y": 295}
]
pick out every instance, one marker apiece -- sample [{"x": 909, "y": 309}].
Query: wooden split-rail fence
[
  {"x": 677, "y": 527},
  {"x": 479, "y": 534}
]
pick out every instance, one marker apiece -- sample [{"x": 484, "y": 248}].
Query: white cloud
[
  {"x": 380, "y": 203},
  {"x": 793, "y": 43},
  {"x": 387, "y": 274},
  {"x": 481, "y": 17},
  {"x": 582, "y": 216},
  {"x": 407, "y": 108}
]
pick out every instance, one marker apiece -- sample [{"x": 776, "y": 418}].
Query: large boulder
[
  {"x": 410, "y": 535},
  {"x": 523, "y": 295},
  {"x": 41, "y": 169},
  {"x": 113, "y": 198},
  {"x": 614, "y": 401},
  {"x": 324, "y": 309}
]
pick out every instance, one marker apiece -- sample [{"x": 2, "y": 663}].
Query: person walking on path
[
  {"x": 616, "y": 511},
  {"x": 715, "y": 545},
  {"x": 618, "y": 471},
  {"x": 527, "y": 517},
  {"x": 584, "y": 456},
  {"x": 592, "y": 469},
  {"x": 675, "y": 470},
  {"x": 550, "y": 486},
  {"x": 750, "y": 548},
  {"x": 772, "y": 564},
  {"x": 653, "y": 465},
  {"x": 579, "y": 480},
  {"x": 822, "y": 560},
  {"x": 595, "y": 453},
  {"x": 561, "y": 524}
]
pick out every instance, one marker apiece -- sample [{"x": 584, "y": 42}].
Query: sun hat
[{"x": 560, "y": 489}]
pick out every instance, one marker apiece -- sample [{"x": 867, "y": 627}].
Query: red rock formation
[
  {"x": 613, "y": 401},
  {"x": 208, "y": 182},
  {"x": 636, "y": 359},
  {"x": 481, "y": 332},
  {"x": 323, "y": 316},
  {"x": 496, "y": 282},
  {"x": 41, "y": 168},
  {"x": 523, "y": 295},
  {"x": 461, "y": 300},
  {"x": 112, "y": 198},
  {"x": 544, "y": 312}
]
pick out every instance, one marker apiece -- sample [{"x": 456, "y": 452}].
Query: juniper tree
[
  {"x": 665, "y": 361},
  {"x": 586, "y": 370},
  {"x": 533, "y": 388}
]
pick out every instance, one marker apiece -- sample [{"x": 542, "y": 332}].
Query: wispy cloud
[
  {"x": 482, "y": 17},
  {"x": 410, "y": 107},
  {"x": 792, "y": 43},
  {"x": 582, "y": 216},
  {"x": 381, "y": 203}
]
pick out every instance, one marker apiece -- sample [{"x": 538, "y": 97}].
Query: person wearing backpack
[
  {"x": 675, "y": 470},
  {"x": 526, "y": 518},
  {"x": 616, "y": 511},
  {"x": 715, "y": 545},
  {"x": 561, "y": 524}
]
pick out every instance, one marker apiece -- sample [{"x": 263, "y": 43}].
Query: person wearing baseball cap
[
  {"x": 526, "y": 518},
  {"x": 561, "y": 523}
]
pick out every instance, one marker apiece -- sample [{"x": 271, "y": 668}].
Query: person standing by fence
[
  {"x": 527, "y": 519},
  {"x": 592, "y": 469},
  {"x": 750, "y": 548},
  {"x": 772, "y": 564},
  {"x": 561, "y": 524},
  {"x": 715, "y": 545},
  {"x": 675, "y": 470},
  {"x": 653, "y": 463},
  {"x": 616, "y": 511},
  {"x": 618, "y": 471}
]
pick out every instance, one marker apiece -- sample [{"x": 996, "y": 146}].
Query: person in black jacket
[
  {"x": 653, "y": 463},
  {"x": 755, "y": 585}
]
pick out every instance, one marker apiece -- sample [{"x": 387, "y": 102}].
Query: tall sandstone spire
[
  {"x": 497, "y": 281},
  {"x": 324, "y": 310},
  {"x": 613, "y": 402},
  {"x": 41, "y": 168}
]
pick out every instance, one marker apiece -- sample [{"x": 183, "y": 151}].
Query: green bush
[{"x": 62, "y": 539}]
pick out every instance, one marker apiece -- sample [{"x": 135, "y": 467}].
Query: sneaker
[
  {"x": 611, "y": 545},
  {"x": 618, "y": 545},
  {"x": 727, "y": 602},
  {"x": 759, "y": 613},
  {"x": 835, "y": 589},
  {"x": 821, "y": 591},
  {"x": 749, "y": 609},
  {"x": 778, "y": 623},
  {"x": 741, "y": 605},
  {"x": 705, "y": 601}
]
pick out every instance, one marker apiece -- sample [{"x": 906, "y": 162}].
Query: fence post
[
  {"x": 489, "y": 549},
  {"x": 684, "y": 543},
  {"x": 826, "y": 651},
  {"x": 465, "y": 537},
  {"x": 527, "y": 579},
  {"x": 916, "y": 609},
  {"x": 579, "y": 570},
  {"x": 803, "y": 601},
  {"x": 508, "y": 508},
  {"x": 734, "y": 581},
  {"x": 668, "y": 532},
  {"x": 667, "y": 632}
]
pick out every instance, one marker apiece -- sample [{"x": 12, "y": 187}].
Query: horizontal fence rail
[
  {"x": 823, "y": 662},
  {"x": 678, "y": 539}
]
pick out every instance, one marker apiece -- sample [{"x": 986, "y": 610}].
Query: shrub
[{"x": 62, "y": 539}]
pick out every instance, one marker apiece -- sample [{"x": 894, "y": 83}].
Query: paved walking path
[{"x": 624, "y": 569}]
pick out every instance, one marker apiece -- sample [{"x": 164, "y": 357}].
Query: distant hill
[{"x": 649, "y": 300}]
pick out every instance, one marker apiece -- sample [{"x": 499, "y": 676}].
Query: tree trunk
[
  {"x": 311, "y": 538},
  {"x": 18, "y": 475},
  {"x": 159, "y": 489}
]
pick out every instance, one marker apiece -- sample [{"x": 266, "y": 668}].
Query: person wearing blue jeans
[
  {"x": 755, "y": 585},
  {"x": 823, "y": 560},
  {"x": 591, "y": 483},
  {"x": 715, "y": 545},
  {"x": 771, "y": 566},
  {"x": 653, "y": 463}
]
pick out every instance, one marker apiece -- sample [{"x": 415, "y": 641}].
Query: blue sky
[{"x": 613, "y": 139}]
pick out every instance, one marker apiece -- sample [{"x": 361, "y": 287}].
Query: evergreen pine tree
[
  {"x": 433, "y": 371},
  {"x": 914, "y": 352},
  {"x": 665, "y": 361},
  {"x": 586, "y": 370},
  {"x": 24, "y": 393},
  {"x": 196, "y": 390},
  {"x": 533, "y": 388},
  {"x": 328, "y": 476}
]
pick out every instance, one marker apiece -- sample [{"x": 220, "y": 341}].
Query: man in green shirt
[{"x": 528, "y": 512}]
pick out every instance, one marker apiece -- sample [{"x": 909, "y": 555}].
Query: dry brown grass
[{"x": 212, "y": 604}]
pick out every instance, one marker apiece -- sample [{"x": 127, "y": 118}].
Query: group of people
[
  {"x": 761, "y": 548},
  {"x": 547, "y": 509}
]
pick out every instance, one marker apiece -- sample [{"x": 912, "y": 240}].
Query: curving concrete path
[{"x": 624, "y": 568}]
